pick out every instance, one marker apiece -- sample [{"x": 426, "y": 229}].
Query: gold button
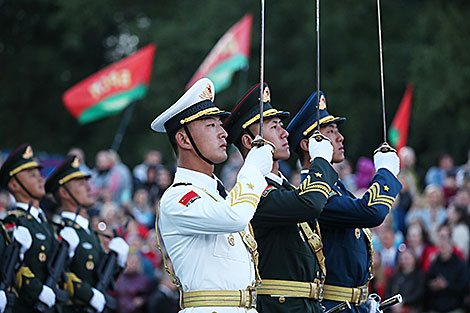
[
  {"x": 43, "y": 248},
  {"x": 282, "y": 299},
  {"x": 90, "y": 256}
]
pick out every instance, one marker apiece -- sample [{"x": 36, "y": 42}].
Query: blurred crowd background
[{"x": 421, "y": 250}]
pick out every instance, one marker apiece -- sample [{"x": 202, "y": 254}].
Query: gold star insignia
[
  {"x": 251, "y": 186},
  {"x": 386, "y": 188},
  {"x": 318, "y": 175}
]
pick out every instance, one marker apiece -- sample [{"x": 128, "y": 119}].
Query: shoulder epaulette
[
  {"x": 181, "y": 184},
  {"x": 17, "y": 213}
]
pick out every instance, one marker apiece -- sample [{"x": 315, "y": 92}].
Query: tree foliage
[{"x": 46, "y": 46}]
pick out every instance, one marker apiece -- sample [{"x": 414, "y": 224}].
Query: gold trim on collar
[
  {"x": 266, "y": 113},
  {"x": 31, "y": 164},
  {"x": 208, "y": 111},
  {"x": 71, "y": 176},
  {"x": 326, "y": 119}
]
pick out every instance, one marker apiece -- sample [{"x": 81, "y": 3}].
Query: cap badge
[
  {"x": 75, "y": 163},
  {"x": 207, "y": 93},
  {"x": 322, "y": 105},
  {"x": 266, "y": 95},
  {"x": 28, "y": 154}
]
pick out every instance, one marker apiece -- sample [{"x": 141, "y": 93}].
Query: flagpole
[{"x": 123, "y": 126}]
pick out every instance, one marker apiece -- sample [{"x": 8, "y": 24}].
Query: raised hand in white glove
[
  {"x": 322, "y": 149},
  {"x": 22, "y": 235},
  {"x": 47, "y": 296},
  {"x": 121, "y": 248},
  {"x": 388, "y": 160},
  {"x": 373, "y": 306},
  {"x": 98, "y": 301},
  {"x": 261, "y": 158},
  {"x": 70, "y": 236},
  {"x": 3, "y": 301}
]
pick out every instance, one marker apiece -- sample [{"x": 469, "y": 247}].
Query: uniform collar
[
  {"x": 33, "y": 211},
  {"x": 197, "y": 178},
  {"x": 83, "y": 222},
  {"x": 278, "y": 179}
]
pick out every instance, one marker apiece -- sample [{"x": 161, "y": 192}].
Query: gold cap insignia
[
  {"x": 207, "y": 93},
  {"x": 322, "y": 105},
  {"x": 75, "y": 163},
  {"x": 28, "y": 154},
  {"x": 266, "y": 95}
]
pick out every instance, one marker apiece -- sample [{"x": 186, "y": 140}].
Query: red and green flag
[
  {"x": 398, "y": 132},
  {"x": 230, "y": 54},
  {"x": 112, "y": 89}
]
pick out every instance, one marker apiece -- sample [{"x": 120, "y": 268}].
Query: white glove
[
  {"x": 3, "y": 301},
  {"x": 121, "y": 248},
  {"x": 47, "y": 296},
  {"x": 98, "y": 301},
  {"x": 261, "y": 158},
  {"x": 22, "y": 235},
  {"x": 373, "y": 306},
  {"x": 388, "y": 160},
  {"x": 322, "y": 149},
  {"x": 70, "y": 236}
]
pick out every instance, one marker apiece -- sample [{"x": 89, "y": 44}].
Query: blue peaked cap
[{"x": 304, "y": 123}]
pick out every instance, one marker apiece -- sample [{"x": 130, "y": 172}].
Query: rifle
[
  {"x": 9, "y": 266},
  {"x": 340, "y": 307},
  {"x": 390, "y": 301},
  {"x": 105, "y": 272},
  {"x": 56, "y": 268}
]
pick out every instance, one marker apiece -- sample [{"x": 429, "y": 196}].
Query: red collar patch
[{"x": 189, "y": 198}]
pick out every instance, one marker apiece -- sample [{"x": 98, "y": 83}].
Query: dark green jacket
[
  {"x": 33, "y": 270},
  {"x": 283, "y": 253},
  {"x": 83, "y": 268}
]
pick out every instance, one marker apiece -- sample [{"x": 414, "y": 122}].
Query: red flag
[
  {"x": 113, "y": 88},
  {"x": 230, "y": 54},
  {"x": 398, "y": 132}
]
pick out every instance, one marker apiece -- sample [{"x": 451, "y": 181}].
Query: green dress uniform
[
  {"x": 33, "y": 271},
  {"x": 82, "y": 275},
  {"x": 285, "y": 222}
]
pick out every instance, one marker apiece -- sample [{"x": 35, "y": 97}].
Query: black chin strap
[
  {"x": 195, "y": 147},
  {"x": 72, "y": 196},
  {"x": 25, "y": 189}
]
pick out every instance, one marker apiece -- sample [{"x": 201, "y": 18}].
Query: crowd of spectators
[{"x": 421, "y": 249}]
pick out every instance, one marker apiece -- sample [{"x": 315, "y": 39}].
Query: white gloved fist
[
  {"x": 70, "y": 236},
  {"x": 3, "y": 301},
  {"x": 98, "y": 300},
  {"x": 121, "y": 248},
  {"x": 47, "y": 296},
  {"x": 22, "y": 235},
  {"x": 388, "y": 160},
  {"x": 322, "y": 149},
  {"x": 261, "y": 158},
  {"x": 373, "y": 306}
]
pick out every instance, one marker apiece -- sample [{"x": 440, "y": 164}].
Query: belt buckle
[
  {"x": 316, "y": 290},
  {"x": 252, "y": 297},
  {"x": 364, "y": 295}
]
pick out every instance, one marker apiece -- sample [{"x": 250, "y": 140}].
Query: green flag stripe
[
  {"x": 113, "y": 104},
  {"x": 394, "y": 136},
  {"x": 222, "y": 74}
]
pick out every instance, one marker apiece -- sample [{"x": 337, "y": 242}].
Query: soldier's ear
[
  {"x": 304, "y": 144},
  {"x": 63, "y": 194},
  {"x": 246, "y": 141},
  {"x": 13, "y": 185},
  {"x": 182, "y": 140}
]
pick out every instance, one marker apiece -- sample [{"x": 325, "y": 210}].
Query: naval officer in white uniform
[{"x": 206, "y": 231}]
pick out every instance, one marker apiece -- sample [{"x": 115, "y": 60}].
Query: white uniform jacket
[{"x": 200, "y": 232}]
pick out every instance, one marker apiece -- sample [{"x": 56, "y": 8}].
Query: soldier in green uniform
[
  {"x": 291, "y": 261},
  {"x": 20, "y": 174},
  {"x": 71, "y": 191}
]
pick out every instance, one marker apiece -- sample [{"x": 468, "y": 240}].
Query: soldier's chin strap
[
  {"x": 73, "y": 197},
  {"x": 25, "y": 189},
  {"x": 186, "y": 129}
]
